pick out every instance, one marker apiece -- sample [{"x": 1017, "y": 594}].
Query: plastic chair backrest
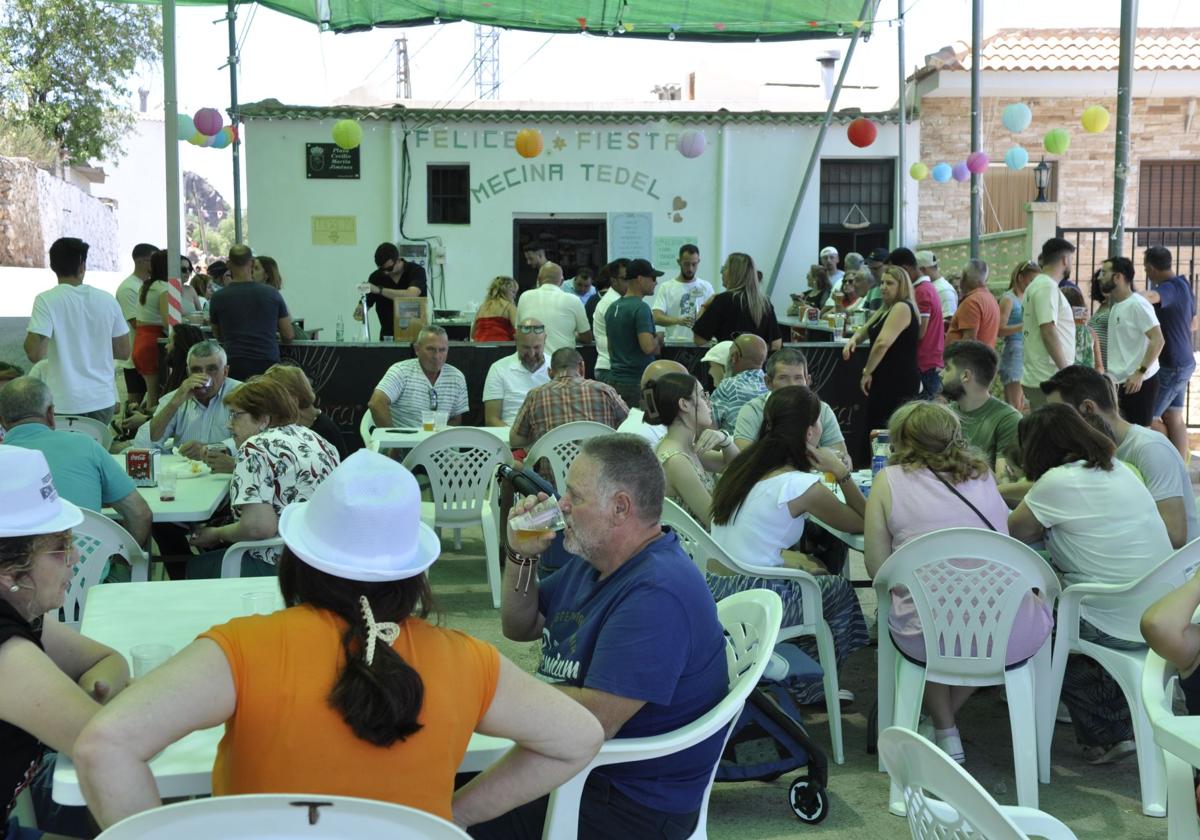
[
  {"x": 459, "y": 463},
  {"x": 89, "y": 426},
  {"x": 365, "y": 427},
  {"x": 966, "y": 811},
  {"x": 560, "y": 446},
  {"x": 697, "y": 542},
  {"x": 283, "y": 815},
  {"x": 1122, "y": 613},
  {"x": 98, "y": 538},
  {"x": 966, "y": 613},
  {"x": 231, "y": 563},
  {"x": 1157, "y": 693}
]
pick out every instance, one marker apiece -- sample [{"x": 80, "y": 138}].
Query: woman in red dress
[{"x": 496, "y": 319}]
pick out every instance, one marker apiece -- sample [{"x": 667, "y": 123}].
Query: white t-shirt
[
  {"x": 127, "y": 298},
  {"x": 947, "y": 295},
  {"x": 763, "y": 526},
  {"x": 635, "y": 424},
  {"x": 679, "y": 299},
  {"x": 1102, "y": 526},
  {"x": 148, "y": 312},
  {"x": 1128, "y": 321},
  {"x": 600, "y": 329},
  {"x": 509, "y": 381},
  {"x": 1165, "y": 473},
  {"x": 81, "y": 322},
  {"x": 560, "y": 311},
  {"x": 1045, "y": 304},
  {"x": 835, "y": 281}
]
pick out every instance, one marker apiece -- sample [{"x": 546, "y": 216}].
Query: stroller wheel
[{"x": 810, "y": 802}]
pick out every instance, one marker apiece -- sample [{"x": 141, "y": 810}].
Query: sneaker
[
  {"x": 845, "y": 697},
  {"x": 1108, "y": 754},
  {"x": 925, "y": 728},
  {"x": 1063, "y": 716},
  {"x": 950, "y": 743}
]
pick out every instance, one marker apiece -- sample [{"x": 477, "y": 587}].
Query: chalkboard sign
[{"x": 328, "y": 160}]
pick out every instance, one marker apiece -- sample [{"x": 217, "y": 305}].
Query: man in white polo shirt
[
  {"x": 1135, "y": 341},
  {"x": 425, "y": 383},
  {"x": 562, "y": 313},
  {"x": 511, "y": 378},
  {"x": 1049, "y": 325},
  {"x": 80, "y": 330}
]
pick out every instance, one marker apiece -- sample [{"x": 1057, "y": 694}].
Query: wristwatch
[{"x": 1141, "y": 369}]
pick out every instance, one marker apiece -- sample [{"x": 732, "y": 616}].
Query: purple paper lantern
[
  {"x": 960, "y": 172},
  {"x": 977, "y": 163},
  {"x": 208, "y": 121},
  {"x": 692, "y": 143}
]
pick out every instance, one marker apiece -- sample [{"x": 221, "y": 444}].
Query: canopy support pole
[
  {"x": 976, "y": 123},
  {"x": 171, "y": 135},
  {"x": 1129, "y": 14},
  {"x": 231, "y": 20},
  {"x": 902, "y": 123},
  {"x": 816, "y": 153}
]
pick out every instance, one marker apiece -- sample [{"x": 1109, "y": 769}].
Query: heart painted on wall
[{"x": 677, "y": 203}]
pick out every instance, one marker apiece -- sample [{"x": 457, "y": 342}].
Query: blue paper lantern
[
  {"x": 1016, "y": 158},
  {"x": 942, "y": 173},
  {"x": 1017, "y": 117},
  {"x": 186, "y": 126}
]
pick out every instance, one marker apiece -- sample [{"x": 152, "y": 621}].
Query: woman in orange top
[
  {"x": 348, "y": 691},
  {"x": 496, "y": 319}
]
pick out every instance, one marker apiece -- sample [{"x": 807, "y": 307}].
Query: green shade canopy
[{"x": 692, "y": 20}]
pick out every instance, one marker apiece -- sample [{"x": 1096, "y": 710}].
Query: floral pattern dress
[{"x": 276, "y": 467}]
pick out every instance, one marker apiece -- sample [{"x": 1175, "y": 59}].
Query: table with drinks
[{"x": 175, "y": 488}]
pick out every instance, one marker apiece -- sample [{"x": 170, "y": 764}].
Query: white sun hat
[
  {"x": 362, "y": 523},
  {"x": 29, "y": 503}
]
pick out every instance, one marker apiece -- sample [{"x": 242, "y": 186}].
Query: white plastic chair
[
  {"x": 1158, "y": 691},
  {"x": 89, "y": 426},
  {"x": 489, "y": 519},
  {"x": 1080, "y": 601},
  {"x": 560, "y": 446},
  {"x": 97, "y": 539},
  {"x": 701, "y": 547},
  {"x": 298, "y": 815},
  {"x": 231, "y": 563},
  {"x": 967, "y": 616},
  {"x": 459, "y": 463},
  {"x": 963, "y": 809},
  {"x": 751, "y": 620},
  {"x": 365, "y": 427}
]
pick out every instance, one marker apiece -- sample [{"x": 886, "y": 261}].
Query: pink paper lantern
[
  {"x": 208, "y": 121},
  {"x": 977, "y": 163},
  {"x": 960, "y": 172}
]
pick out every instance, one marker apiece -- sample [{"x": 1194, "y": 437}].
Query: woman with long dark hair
[
  {"x": 349, "y": 690},
  {"x": 761, "y": 506},
  {"x": 151, "y": 326}
]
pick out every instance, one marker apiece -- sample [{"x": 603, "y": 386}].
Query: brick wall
[{"x": 1085, "y": 176}]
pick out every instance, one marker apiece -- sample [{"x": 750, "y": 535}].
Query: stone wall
[
  {"x": 36, "y": 208},
  {"x": 1085, "y": 176}
]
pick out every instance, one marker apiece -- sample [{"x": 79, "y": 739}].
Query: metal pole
[
  {"x": 816, "y": 153},
  {"x": 231, "y": 20},
  {"x": 171, "y": 135},
  {"x": 1129, "y": 13},
  {"x": 901, "y": 127},
  {"x": 976, "y": 123}
]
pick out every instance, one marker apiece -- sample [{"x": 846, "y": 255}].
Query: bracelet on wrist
[{"x": 520, "y": 559}]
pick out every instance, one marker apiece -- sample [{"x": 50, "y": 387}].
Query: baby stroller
[{"x": 769, "y": 740}]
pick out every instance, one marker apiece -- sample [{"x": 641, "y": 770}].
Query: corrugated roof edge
[{"x": 273, "y": 109}]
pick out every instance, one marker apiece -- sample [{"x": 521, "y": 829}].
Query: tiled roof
[{"x": 1086, "y": 49}]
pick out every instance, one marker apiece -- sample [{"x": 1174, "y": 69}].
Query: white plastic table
[
  {"x": 173, "y": 613},
  {"x": 196, "y": 499},
  {"x": 384, "y": 438},
  {"x": 854, "y": 541}
]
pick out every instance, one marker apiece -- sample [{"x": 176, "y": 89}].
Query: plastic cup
[
  {"x": 442, "y": 420},
  {"x": 167, "y": 481},
  {"x": 259, "y": 603},
  {"x": 539, "y": 522},
  {"x": 148, "y": 657},
  {"x": 428, "y": 420}
]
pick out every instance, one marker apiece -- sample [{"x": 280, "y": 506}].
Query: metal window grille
[
  {"x": 449, "y": 191},
  {"x": 865, "y": 184}
]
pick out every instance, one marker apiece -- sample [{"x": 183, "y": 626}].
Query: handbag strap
[{"x": 964, "y": 499}]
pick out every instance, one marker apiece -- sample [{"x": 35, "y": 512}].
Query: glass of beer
[
  {"x": 428, "y": 420},
  {"x": 539, "y": 522}
]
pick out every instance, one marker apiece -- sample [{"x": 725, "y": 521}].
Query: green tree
[{"x": 65, "y": 66}]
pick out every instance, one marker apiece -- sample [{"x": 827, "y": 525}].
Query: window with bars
[
  {"x": 449, "y": 191},
  {"x": 854, "y": 192},
  {"x": 1169, "y": 197}
]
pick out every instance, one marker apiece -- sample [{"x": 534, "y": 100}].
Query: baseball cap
[
  {"x": 29, "y": 502},
  {"x": 829, "y": 251},
  {"x": 926, "y": 258},
  {"x": 877, "y": 255},
  {"x": 641, "y": 268}
]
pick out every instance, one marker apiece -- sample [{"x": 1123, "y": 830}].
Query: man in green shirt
[
  {"x": 988, "y": 424},
  {"x": 629, "y": 325}
]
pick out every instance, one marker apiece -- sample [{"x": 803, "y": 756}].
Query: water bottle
[
  {"x": 880, "y": 451},
  {"x": 340, "y": 330}
]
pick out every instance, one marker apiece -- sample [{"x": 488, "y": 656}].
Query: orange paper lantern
[{"x": 529, "y": 143}]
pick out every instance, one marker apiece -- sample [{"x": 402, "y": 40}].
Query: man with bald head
[
  {"x": 560, "y": 311},
  {"x": 635, "y": 423},
  {"x": 510, "y": 379},
  {"x": 744, "y": 381}
]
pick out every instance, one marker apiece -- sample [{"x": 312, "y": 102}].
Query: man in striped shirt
[
  {"x": 566, "y": 398},
  {"x": 425, "y": 383}
]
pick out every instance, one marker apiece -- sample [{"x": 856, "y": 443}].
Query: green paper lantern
[
  {"x": 1057, "y": 141},
  {"x": 918, "y": 171},
  {"x": 347, "y": 134}
]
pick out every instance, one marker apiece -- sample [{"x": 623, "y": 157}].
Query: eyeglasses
[
  {"x": 530, "y": 328},
  {"x": 233, "y": 415},
  {"x": 432, "y": 399}
]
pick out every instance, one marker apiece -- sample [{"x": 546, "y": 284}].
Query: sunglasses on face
[
  {"x": 432, "y": 399},
  {"x": 528, "y": 329}
]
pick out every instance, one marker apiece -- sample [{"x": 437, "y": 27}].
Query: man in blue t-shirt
[
  {"x": 628, "y": 629},
  {"x": 246, "y": 317},
  {"x": 1176, "y": 309}
]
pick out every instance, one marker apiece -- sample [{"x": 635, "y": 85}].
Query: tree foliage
[{"x": 65, "y": 67}]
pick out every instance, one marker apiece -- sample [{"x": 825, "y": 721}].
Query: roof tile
[{"x": 1086, "y": 49}]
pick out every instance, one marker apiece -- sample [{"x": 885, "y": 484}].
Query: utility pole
[
  {"x": 487, "y": 62},
  {"x": 976, "y": 124},
  {"x": 403, "y": 76},
  {"x": 231, "y": 19},
  {"x": 1129, "y": 15}
]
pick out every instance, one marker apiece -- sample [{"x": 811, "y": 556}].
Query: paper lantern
[
  {"x": 197, "y": 139},
  {"x": 692, "y": 143},
  {"x": 977, "y": 163},
  {"x": 529, "y": 143},
  {"x": 233, "y": 132},
  {"x": 1095, "y": 119},
  {"x": 186, "y": 127},
  {"x": 1016, "y": 158},
  {"x": 208, "y": 121},
  {"x": 918, "y": 171},
  {"x": 1057, "y": 141},
  {"x": 222, "y": 138},
  {"x": 960, "y": 172},
  {"x": 861, "y": 132},
  {"x": 347, "y": 134},
  {"x": 941, "y": 173},
  {"x": 1017, "y": 117}
]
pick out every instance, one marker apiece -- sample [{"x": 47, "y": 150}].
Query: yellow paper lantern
[
  {"x": 347, "y": 134},
  {"x": 529, "y": 143},
  {"x": 918, "y": 171},
  {"x": 1095, "y": 119}
]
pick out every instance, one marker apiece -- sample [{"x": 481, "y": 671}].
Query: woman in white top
[
  {"x": 1101, "y": 525},
  {"x": 762, "y": 503},
  {"x": 151, "y": 318}
]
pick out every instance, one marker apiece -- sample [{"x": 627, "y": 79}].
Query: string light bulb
[{"x": 437, "y": 19}]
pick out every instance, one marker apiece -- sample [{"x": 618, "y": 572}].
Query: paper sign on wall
[
  {"x": 334, "y": 230},
  {"x": 666, "y": 251},
  {"x": 630, "y": 235}
]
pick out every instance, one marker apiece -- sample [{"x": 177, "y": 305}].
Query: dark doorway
[
  {"x": 853, "y": 193},
  {"x": 572, "y": 243}
]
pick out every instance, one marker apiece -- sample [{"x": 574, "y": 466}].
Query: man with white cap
[
  {"x": 380, "y": 703},
  {"x": 52, "y": 680},
  {"x": 927, "y": 264},
  {"x": 829, "y": 261}
]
